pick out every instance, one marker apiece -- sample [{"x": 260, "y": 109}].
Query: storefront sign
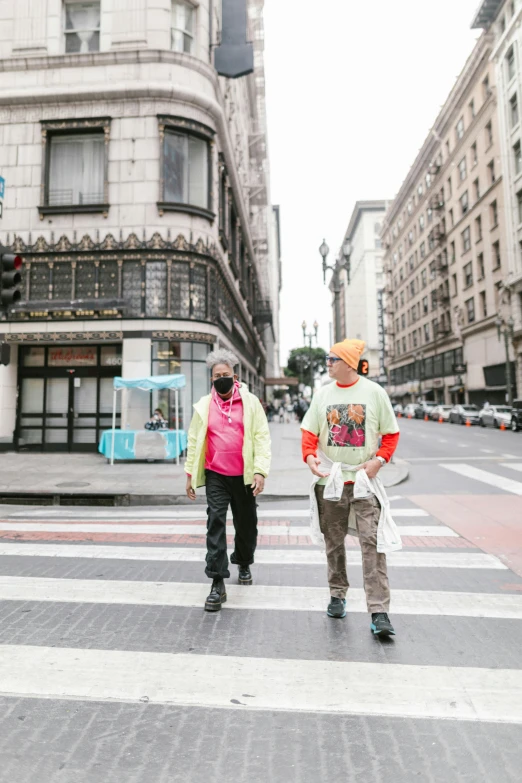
[{"x": 73, "y": 356}]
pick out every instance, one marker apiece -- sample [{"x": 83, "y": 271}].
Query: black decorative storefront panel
[
  {"x": 199, "y": 292},
  {"x": 108, "y": 280},
  {"x": 180, "y": 290},
  {"x": 156, "y": 289},
  {"x": 62, "y": 280},
  {"x": 132, "y": 278},
  {"x": 85, "y": 280},
  {"x": 40, "y": 280}
]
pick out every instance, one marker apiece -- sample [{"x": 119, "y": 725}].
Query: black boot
[
  {"x": 245, "y": 575},
  {"x": 216, "y": 597}
]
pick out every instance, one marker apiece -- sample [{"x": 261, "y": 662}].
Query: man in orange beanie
[{"x": 344, "y": 422}]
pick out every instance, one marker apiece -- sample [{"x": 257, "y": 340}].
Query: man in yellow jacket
[{"x": 228, "y": 453}]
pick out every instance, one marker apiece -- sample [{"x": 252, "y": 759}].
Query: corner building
[
  {"x": 137, "y": 193},
  {"x": 445, "y": 253}
]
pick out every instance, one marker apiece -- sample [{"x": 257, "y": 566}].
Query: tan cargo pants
[{"x": 333, "y": 517}]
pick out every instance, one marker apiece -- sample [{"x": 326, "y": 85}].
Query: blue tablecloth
[{"x": 143, "y": 444}]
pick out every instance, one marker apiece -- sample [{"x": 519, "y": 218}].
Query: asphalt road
[{"x": 111, "y": 672}]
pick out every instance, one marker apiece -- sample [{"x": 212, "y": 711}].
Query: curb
[{"x": 399, "y": 472}]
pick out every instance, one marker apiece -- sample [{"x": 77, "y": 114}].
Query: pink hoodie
[{"x": 225, "y": 439}]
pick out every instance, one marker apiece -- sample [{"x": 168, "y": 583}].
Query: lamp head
[
  {"x": 324, "y": 250},
  {"x": 347, "y": 248}
]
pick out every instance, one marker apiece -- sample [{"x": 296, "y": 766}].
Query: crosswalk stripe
[
  {"x": 494, "y": 480},
  {"x": 513, "y": 465},
  {"x": 113, "y": 515},
  {"x": 421, "y": 559},
  {"x": 456, "y": 693},
  {"x": 271, "y": 597},
  {"x": 195, "y": 530}
]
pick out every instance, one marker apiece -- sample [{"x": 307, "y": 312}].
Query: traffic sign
[{"x": 2, "y": 187}]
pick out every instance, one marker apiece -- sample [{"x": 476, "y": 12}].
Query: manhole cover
[{"x": 73, "y": 484}]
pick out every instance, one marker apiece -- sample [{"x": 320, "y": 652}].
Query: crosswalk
[{"x": 95, "y": 562}]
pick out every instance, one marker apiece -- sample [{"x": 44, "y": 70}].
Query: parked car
[
  {"x": 441, "y": 411},
  {"x": 460, "y": 414},
  {"x": 495, "y": 415},
  {"x": 397, "y": 408},
  {"x": 409, "y": 410},
  {"x": 516, "y": 415},
  {"x": 424, "y": 409}
]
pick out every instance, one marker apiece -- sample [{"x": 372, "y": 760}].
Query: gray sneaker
[{"x": 336, "y": 608}]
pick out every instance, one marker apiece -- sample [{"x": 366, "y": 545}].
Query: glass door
[
  {"x": 84, "y": 413},
  {"x": 57, "y": 413}
]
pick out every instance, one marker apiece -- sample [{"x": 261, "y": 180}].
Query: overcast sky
[{"x": 353, "y": 87}]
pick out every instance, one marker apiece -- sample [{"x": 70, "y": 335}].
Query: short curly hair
[{"x": 222, "y": 356}]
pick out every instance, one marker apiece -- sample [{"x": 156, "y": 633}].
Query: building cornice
[{"x": 360, "y": 208}]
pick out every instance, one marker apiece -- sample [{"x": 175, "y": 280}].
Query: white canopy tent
[{"x": 151, "y": 383}]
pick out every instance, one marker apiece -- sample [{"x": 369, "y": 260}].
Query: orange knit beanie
[{"x": 350, "y": 351}]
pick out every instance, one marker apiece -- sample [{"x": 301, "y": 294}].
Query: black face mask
[{"x": 223, "y": 385}]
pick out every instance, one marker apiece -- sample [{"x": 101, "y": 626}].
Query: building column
[
  {"x": 8, "y": 397},
  {"x": 136, "y": 363},
  {"x": 129, "y": 24},
  {"x": 30, "y": 27}
]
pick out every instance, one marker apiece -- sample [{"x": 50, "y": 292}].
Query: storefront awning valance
[{"x": 151, "y": 383}]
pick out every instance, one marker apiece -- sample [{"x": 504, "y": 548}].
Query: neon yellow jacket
[{"x": 257, "y": 451}]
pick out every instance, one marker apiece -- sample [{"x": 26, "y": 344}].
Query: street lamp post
[
  {"x": 506, "y": 329},
  {"x": 336, "y": 279},
  {"x": 310, "y": 337},
  {"x": 418, "y": 357}
]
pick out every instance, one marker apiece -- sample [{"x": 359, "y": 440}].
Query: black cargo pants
[{"x": 222, "y": 492}]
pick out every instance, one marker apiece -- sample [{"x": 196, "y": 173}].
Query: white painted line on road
[
  {"x": 511, "y": 456},
  {"x": 513, "y": 465},
  {"x": 147, "y": 513},
  {"x": 392, "y": 498},
  {"x": 289, "y": 556},
  {"x": 442, "y": 440},
  {"x": 487, "y": 451},
  {"x": 195, "y": 530},
  {"x": 271, "y": 597},
  {"x": 507, "y": 484},
  {"x": 457, "y": 693},
  {"x": 68, "y": 515}
]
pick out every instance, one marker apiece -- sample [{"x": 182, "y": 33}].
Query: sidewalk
[{"x": 88, "y": 478}]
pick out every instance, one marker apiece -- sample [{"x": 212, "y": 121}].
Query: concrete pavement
[{"x": 89, "y": 476}]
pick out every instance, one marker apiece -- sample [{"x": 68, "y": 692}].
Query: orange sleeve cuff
[
  {"x": 309, "y": 444},
  {"x": 388, "y": 445}
]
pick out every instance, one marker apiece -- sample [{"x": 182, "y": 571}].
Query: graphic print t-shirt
[{"x": 349, "y": 421}]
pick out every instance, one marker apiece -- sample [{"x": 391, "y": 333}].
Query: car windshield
[
  {"x": 445, "y": 407},
  {"x": 430, "y": 404},
  {"x": 503, "y": 409},
  {"x": 469, "y": 408}
]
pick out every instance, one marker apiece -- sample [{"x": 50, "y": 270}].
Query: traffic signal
[
  {"x": 10, "y": 278},
  {"x": 364, "y": 367}
]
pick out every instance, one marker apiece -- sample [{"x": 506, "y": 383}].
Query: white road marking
[
  {"x": 194, "y": 530},
  {"x": 510, "y": 456},
  {"x": 507, "y": 484},
  {"x": 271, "y": 597},
  {"x": 457, "y": 693},
  {"x": 392, "y": 498},
  {"x": 119, "y": 516},
  {"x": 487, "y": 451},
  {"x": 169, "y": 514},
  {"x": 442, "y": 440},
  {"x": 289, "y": 556},
  {"x": 513, "y": 465}
]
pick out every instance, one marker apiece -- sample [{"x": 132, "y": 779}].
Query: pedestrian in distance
[
  {"x": 229, "y": 454},
  {"x": 341, "y": 429}
]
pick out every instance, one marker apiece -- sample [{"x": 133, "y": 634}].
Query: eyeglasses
[{"x": 332, "y": 359}]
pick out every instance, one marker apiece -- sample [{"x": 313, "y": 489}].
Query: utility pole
[
  {"x": 310, "y": 337},
  {"x": 506, "y": 329}
]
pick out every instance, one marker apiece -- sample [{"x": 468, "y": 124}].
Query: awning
[
  {"x": 281, "y": 381},
  {"x": 456, "y": 388},
  {"x": 153, "y": 382}
]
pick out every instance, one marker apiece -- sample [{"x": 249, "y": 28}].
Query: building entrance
[{"x": 65, "y": 396}]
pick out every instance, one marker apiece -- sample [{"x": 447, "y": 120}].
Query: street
[{"x": 112, "y": 671}]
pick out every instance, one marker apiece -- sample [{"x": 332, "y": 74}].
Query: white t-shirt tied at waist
[{"x": 388, "y": 537}]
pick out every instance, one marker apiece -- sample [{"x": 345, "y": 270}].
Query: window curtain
[
  {"x": 186, "y": 170},
  {"x": 198, "y": 172},
  {"x": 84, "y": 20},
  {"x": 76, "y": 172}
]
